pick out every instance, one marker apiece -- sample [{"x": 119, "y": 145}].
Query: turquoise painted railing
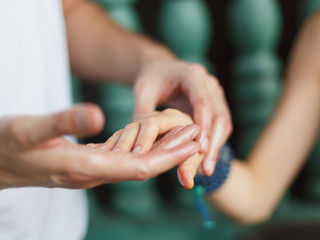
[{"x": 255, "y": 28}]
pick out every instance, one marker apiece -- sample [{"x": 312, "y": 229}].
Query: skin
[
  {"x": 33, "y": 151},
  {"x": 285, "y": 143},
  {"x": 255, "y": 186},
  {"x": 46, "y": 158},
  {"x": 144, "y": 133},
  {"x": 99, "y": 49}
]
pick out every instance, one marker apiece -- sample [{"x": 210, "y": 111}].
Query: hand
[
  {"x": 159, "y": 131},
  {"x": 140, "y": 136},
  {"x": 33, "y": 152},
  {"x": 161, "y": 80}
]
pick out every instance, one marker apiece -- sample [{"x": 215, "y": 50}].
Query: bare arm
[
  {"x": 259, "y": 183},
  {"x": 254, "y": 187},
  {"x": 99, "y": 49}
]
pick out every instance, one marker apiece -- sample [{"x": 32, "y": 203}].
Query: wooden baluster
[
  {"x": 254, "y": 28},
  {"x": 131, "y": 198},
  {"x": 185, "y": 26},
  {"x": 308, "y": 184}
]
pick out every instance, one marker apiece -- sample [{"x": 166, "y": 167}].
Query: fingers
[
  {"x": 155, "y": 125},
  {"x": 152, "y": 164},
  {"x": 218, "y": 138},
  {"x": 167, "y": 135},
  {"x": 184, "y": 135},
  {"x": 212, "y": 115},
  {"x": 202, "y": 116},
  {"x": 141, "y": 135},
  {"x": 188, "y": 169},
  {"x": 83, "y": 120},
  {"x": 89, "y": 165},
  {"x": 113, "y": 140},
  {"x": 128, "y": 138},
  {"x": 146, "y": 99}
]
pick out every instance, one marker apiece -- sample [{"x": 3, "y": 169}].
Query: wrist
[
  {"x": 216, "y": 180},
  {"x": 153, "y": 53},
  {"x": 156, "y": 52}
]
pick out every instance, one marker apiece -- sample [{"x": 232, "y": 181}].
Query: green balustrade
[
  {"x": 255, "y": 28},
  {"x": 133, "y": 198},
  {"x": 186, "y": 28}
]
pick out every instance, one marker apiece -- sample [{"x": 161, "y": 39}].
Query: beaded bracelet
[
  {"x": 209, "y": 184},
  {"x": 221, "y": 171}
]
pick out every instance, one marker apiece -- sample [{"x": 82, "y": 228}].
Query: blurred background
[{"x": 246, "y": 44}]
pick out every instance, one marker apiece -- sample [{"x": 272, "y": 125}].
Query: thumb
[
  {"x": 82, "y": 120},
  {"x": 146, "y": 99}
]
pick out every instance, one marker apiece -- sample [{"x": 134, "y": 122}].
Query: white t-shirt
[{"x": 35, "y": 79}]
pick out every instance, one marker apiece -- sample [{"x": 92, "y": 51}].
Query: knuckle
[
  {"x": 225, "y": 117},
  {"x": 204, "y": 102},
  {"x": 143, "y": 171},
  {"x": 149, "y": 121},
  {"x": 229, "y": 127},
  {"x": 117, "y": 133},
  {"x": 138, "y": 87},
  {"x": 59, "y": 121},
  {"x": 131, "y": 126},
  {"x": 198, "y": 69},
  {"x": 17, "y": 134},
  {"x": 171, "y": 111},
  {"x": 122, "y": 146},
  {"x": 221, "y": 116}
]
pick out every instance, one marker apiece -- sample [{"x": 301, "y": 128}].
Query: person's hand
[
  {"x": 161, "y": 80},
  {"x": 159, "y": 131},
  {"x": 140, "y": 136},
  {"x": 33, "y": 152}
]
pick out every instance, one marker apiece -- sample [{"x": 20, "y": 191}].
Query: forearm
[
  {"x": 99, "y": 49},
  {"x": 239, "y": 195},
  {"x": 256, "y": 186}
]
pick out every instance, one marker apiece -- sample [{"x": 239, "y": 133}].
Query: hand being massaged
[{"x": 152, "y": 132}]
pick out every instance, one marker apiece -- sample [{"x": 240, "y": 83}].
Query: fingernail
[
  {"x": 137, "y": 149},
  {"x": 178, "y": 129},
  {"x": 195, "y": 134},
  {"x": 209, "y": 167},
  {"x": 204, "y": 145},
  {"x": 116, "y": 149}
]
